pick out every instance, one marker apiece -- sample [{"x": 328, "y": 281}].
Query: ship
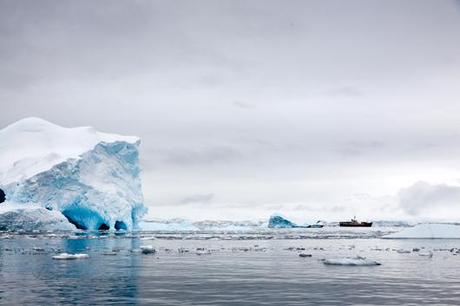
[{"x": 354, "y": 223}]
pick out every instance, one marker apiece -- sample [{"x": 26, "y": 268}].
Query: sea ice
[
  {"x": 351, "y": 261},
  {"x": 67, "y": 256}
]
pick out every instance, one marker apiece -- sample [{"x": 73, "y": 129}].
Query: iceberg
[
  {"x": 91, "y": 178},
  {"x": 276, "y": 221},
  {"x": 428, "y": 231}
]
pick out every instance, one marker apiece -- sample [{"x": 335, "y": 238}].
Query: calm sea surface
[{"x": 226, "y": 269}]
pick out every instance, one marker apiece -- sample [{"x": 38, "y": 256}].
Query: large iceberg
[{"x": 92, "y": 178}]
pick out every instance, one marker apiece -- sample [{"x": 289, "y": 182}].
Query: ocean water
[{"x": 220, "y": 268}]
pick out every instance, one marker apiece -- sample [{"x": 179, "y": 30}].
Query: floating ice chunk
[
  {"x": 203, "y": 252},
  {"x": 351, "y": 261},
  {"x": 110, "y": 253},
  {"x": 147, "y": 249},
  {"x": 67, "y": 256},
  {"x": 428, "y": 254}
]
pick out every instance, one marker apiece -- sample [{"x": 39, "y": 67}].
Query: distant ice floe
[
  {"x": 428, "y": 231},
  {"x": 351, "y": 261},
  {"x": 67, "y": 256}
]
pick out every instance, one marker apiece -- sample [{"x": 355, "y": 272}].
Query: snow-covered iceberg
[
  {"x": 92, "y": 178},
  {"x": 428, "y": 231}
]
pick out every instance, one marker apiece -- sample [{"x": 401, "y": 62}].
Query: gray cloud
[
  {"x": 424, "y": 199},
  {"x": 198, "y": 156},
  {"x": 346, "y": 91},
  {"x": 198, "y": 199},
  {"x": 244, "y": 105}
]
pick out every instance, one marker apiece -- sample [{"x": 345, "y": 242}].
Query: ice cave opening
[
  {"x": 2, "y": 196},
  {"x": 104, "y": 227},
  {"x": 84, "y": 218},
  {"x": 120, "y": 225}
]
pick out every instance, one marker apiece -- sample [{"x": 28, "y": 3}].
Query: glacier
[{"x": 91, "y": 178}]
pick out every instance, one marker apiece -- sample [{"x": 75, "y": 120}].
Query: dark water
[{"x": 236, "y": 272}]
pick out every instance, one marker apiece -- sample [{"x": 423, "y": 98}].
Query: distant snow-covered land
[{"x": 428, "y": 231}]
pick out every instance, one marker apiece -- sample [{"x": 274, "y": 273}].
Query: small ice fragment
[
  {"x": 304, "y": 255},
  {"x": 109, "y": 253},
  {"x": 428, "y": 254},
  {"x": 147, "y": 249},
  {"x": 348, "y": 261},
  {"x": 403, "y": 251},
  {"x": 67, "y": 256},
  {"x": 202, "y": 252}
]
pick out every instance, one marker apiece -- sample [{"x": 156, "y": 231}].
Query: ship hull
[{"x": 351, "y": 224}]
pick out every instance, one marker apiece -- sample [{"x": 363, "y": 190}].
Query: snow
[
  {"x": 428, "y": 231},
  {"x": 67, "y": 256},
  {"x": 351, "y": 261},
  {"x": 33, "y": 145},
  {"x": 92, "y": 178}
]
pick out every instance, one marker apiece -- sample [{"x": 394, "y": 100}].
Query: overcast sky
[{"x": 314, "y": 109}]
